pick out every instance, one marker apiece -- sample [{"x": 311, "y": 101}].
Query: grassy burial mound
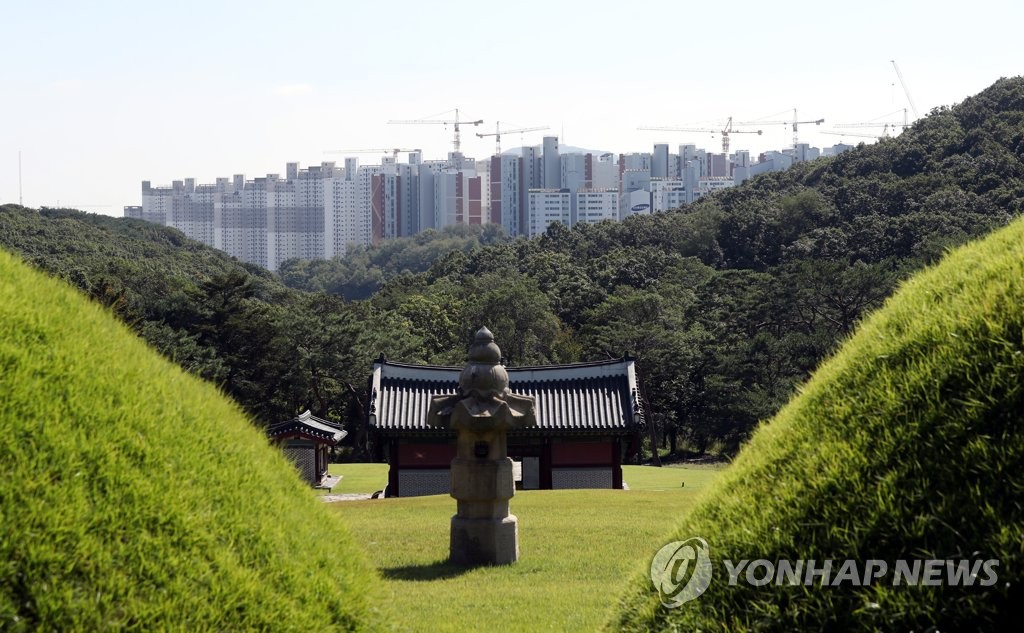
[
  {"x": 136, "y": 496},
  {"x": 907, "y": 444}
]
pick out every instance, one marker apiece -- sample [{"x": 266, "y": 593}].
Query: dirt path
[{"x": 352, "y": 496}]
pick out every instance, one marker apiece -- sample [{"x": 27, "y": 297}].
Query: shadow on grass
[{"x": 438, "y": 570}]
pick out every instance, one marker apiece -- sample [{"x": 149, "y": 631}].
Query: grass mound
[
  {"x": 136, "y": 496},
  {"x": 907, "y": 444}
]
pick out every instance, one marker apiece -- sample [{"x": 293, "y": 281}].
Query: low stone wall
[
  {"x": 416, "y": 482},
  {"x": 562, "y": 478}
]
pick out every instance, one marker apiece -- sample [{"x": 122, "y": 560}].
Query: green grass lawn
[
  {"x": 364, "y": 478},
  {"x": 577, "y": 547}
]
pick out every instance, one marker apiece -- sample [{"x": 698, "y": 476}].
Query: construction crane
[
  {"x": 393, "y": 150},
  {"x": 906, "y": 91},
  {"x": 498, "y": 132},
  {"x": 884, "y": 134},
  {"x": 879, "y": 122},
  {"x": 795, "y": 123},
  {"x": 455, "y": 122},
  {"x": 726, "y": 130}
]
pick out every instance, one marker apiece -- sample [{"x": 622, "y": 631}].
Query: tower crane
[
  {"x": 795, "y": 123},
  {"x": 884, "y": 134},
  {"x": 498, "y": 132},
  {"x": 393, "y": 150},
  {"x": 454, "y": 122},
  {"x": 906, "y": 91},
  {"x": 726, "y": 130},
  {"x": 878, "y": 122}
]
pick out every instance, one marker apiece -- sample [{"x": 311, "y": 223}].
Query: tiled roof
[
  {"x": 309, "y": 426},
  {"x": 581, "y": 397}
]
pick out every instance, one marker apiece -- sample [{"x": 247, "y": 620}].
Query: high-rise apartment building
[
  {"x": 552, "y": 164},
  {"x": 667, "y": 193},
  {"x": 547, "y": 206},
  {"x": 596, "y": 205},
  {"x": 322, "y": 210}
]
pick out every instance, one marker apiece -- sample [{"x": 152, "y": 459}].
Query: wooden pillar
[
  {"x": 393, "y": 466},
  {"x": 545, "y": 465},
  {"x": 617, "y": 464}
]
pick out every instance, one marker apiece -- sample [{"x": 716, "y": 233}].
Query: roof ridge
[{"x": 593, "y": 363}]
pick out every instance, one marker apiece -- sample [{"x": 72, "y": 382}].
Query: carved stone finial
[
  {"x": 484, "y": 350},
  {"x": 484, "y": 376}
]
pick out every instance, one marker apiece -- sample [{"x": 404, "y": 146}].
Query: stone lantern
[{"x": 482, "y": 531}]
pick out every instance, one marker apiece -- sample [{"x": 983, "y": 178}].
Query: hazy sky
[{"x": 99, "y": 96}]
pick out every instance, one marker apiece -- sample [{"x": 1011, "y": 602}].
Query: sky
[{"x": 99, "y": 96}]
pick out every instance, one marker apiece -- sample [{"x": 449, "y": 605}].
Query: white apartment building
[
  {"x": 547, "y": 206},
  {"x": 604, "y": 172},
  {"x": 636, "y": 161},
  {"x": 295, "y": 214},
  {"x": 457, "y": 198},
  {"x": 240, "y": 221},
  {"x": 710, "y": 185},
  {"x": 507, "y": 202},
  {"x": 667, "y": 193},
  {"x": 552, "y": 164},
  {"x": 660, "y": 161},
  {"x": 311, "y": 213},
  {"x": 345, "y": 223},
  {"x": 836, "y": 149},
  {"x": 595, "y": 205},
  {"x": 574, "y": 169}
]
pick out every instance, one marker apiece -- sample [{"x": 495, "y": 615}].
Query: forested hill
[
  {"x": 730, "y": 302},
  {"x": 726, "y": 304}
]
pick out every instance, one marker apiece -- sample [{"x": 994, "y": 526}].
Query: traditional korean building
[
  {"x": 588, "y": 418},
  {"x": 305, "y": 439}
]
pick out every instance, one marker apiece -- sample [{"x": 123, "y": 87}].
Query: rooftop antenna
[{"x": 19, "y": 179}]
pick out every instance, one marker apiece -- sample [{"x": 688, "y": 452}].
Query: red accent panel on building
[
  {"x": 475, "y": 200},
  {"x": 617, "y": 465},
  {"x": 495, "y": 190},
  {"x": 545, "y": 466},
  {"x": 581, "y": 453},
  {"x": 425, "y": 455}
]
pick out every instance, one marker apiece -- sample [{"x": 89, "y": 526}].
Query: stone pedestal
[
  {"x": 483, "y": 532},
  {"x": 484, "y": 541}
]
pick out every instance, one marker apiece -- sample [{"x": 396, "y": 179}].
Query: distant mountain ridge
[{"x": 562, "y": 149}]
